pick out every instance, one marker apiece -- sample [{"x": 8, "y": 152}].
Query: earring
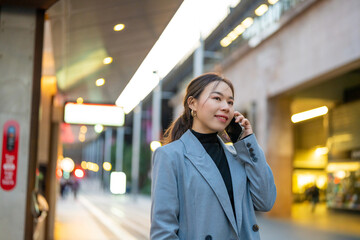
[{"x": 193, "y": 113}]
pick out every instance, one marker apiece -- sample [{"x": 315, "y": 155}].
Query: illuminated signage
[{"x": 92, "y": 114}]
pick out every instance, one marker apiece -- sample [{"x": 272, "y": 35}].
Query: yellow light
[
  {"x": 83, "y": 129},
  {"x": 345, "y": 166},
  {"x": 98, "y": 128},
  {"x": 247, "y": 22},
  {"x": 154, "y": 145},
  {"x": 119, "y": 27},
  {"x": 92, "y": 166},
  {"x": 100, "y": 82},
  {"x": 107, "y": 166},
  {"x": 67, "y": 164},
  {"x": 107, "y": 60},
  {"x": 321, "y": 182},
  {"x": 239, "y": 29},
  {"x": 305, "y": 179},
  {"x": 340, "y": 174},
  {"x": 84, "y": 165},
  {"x": 225, "y": 41},
  {"x": 272, "y": 2},
  {"x": 95, "y": 168},
  {"x": 82, "y": 138},
  {"x": 79, "y": 100},
  {"x": 232, "y": 35},
  {"x": 321, "y": 151},
  {"x": 261, "y": 10},
  {"x": 298, "y": 117}
]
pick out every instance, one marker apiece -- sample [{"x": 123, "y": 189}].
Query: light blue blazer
[{"x": 189, "y": 196}]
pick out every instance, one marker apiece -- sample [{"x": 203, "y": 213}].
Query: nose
[{"x": 225, "y": 106}]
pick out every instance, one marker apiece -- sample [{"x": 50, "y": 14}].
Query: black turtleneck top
[{"x": 213, "y": 147}]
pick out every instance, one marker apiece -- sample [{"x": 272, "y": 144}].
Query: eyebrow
[{"x": 222, "y": 94}]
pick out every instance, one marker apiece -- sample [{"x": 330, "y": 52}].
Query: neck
[{"x": 199, "y": 129}]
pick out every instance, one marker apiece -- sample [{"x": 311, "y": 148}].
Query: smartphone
[{"x": 232, "y": 132}]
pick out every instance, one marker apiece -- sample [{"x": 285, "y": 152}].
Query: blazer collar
[{"x": 198, "y": 156}]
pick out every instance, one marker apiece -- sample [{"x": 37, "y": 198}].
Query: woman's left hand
[{"x": 239, "y": 118}]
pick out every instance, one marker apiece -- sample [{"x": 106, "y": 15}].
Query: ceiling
[{"x": 82, "y": 36}]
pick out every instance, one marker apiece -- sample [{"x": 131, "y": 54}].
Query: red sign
[{"x": 9, "y": 155}]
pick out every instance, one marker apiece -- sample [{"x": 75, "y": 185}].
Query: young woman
[{"x": 201, "y": 187}]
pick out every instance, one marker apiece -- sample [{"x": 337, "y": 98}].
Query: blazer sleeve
[
  {"x": 261, "y": 179},
  {"x": 164, "y": 197}
]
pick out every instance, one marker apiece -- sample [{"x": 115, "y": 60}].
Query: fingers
[{"x": 239, "y": 118}]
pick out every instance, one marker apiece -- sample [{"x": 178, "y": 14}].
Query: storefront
[{"x": 327, "y": 147}]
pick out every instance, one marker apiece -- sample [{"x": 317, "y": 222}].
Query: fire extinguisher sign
[{"x": 9, "y": 156}]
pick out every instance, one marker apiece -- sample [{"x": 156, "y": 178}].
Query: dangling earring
[{"x": 193, "y": 113}]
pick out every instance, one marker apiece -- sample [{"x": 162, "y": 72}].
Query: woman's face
[{"x": 214, "y": 108}]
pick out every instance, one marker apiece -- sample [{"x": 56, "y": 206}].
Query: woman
[{"x": 201, "y": 187}]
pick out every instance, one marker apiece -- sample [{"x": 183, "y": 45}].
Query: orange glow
[{"x": 59, "y": 173}]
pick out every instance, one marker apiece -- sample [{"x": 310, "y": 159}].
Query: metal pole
[
  {"x": 119, "y": 149},
  {"x": 136, "y": 150},
  {"x": 199, "y": 59}
]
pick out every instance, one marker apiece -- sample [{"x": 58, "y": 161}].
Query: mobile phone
[{"x": 234, "y": 130}]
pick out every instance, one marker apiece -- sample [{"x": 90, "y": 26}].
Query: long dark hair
[{"x": 194, "y": 89}]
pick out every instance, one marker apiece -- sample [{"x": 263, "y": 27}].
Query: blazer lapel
[
  {"x": 238, "y": 177},
  {"x": 196, "y": 153}
]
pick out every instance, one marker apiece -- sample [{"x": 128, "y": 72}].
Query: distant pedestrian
[
  {"x": 313, "y": 195},
  {"x": 201, "y": 187},
  {"x": 75, "y": 185}
]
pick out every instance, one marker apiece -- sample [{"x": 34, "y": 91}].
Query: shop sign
[{"x": 9, "y": 156}]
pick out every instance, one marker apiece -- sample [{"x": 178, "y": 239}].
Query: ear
[{"x": 192, "y": 102}]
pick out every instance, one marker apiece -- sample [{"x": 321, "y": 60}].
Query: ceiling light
[
  {"x": 225, "y": 41},
  {"x": 107, "y": 60},
  {"x": 100, "y": 82},
  {"x": 309, "y": 114},
  {"x": 247, "y": 22},
  {"x": 232, "y": 35},
  {"x": 192, "y": 20},
  {"x": 261, "y": 10},
  {"x": 79, "y": 100},
  {"x": 272, "y": 2},
  {"x": 239, "y": 29},
  {"x": 119, "y": 27}
]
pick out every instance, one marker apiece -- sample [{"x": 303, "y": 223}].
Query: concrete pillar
[
  {"x": 156, "y": 112},
  {"x": 280, "y": 151},
  {"x": 21, "y": 41},
  {"x": 135, "y": 160},
  {"x": 51, "y": 181}
]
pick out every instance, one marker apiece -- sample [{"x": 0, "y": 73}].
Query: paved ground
[{"x": 103, "y": 216}]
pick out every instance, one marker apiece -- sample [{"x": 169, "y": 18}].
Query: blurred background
[{"x": 88, "y": 88}]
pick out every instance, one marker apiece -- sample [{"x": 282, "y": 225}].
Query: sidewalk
[
  {"x": 74, "y": 221},
  {"x": 103, "y": 216}
]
